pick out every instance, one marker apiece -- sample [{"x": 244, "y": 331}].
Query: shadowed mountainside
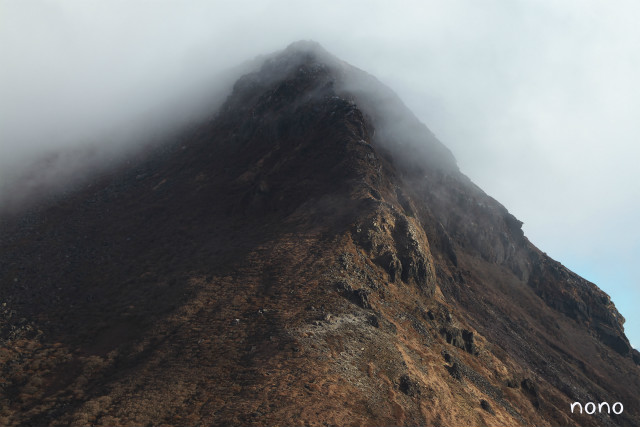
[{"x": 311, "y": 255}]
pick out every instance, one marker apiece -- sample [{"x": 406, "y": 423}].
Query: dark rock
[
  {"x": 372, "y": 319},
  {"x": 612, "y": 338},
  {"x": 343, "y": 286},
  {"x": 469, "y": 342},
  {"x": 391, "y": 264},
  {"x": 361, "y": 298},
  {"x": 512, "y": 383},
  {"x": 414, "y": 267},
  {"x": 486, "y": 406},
  {"x": 412, "y": 259},
  {"x": 452, "y": 336},
  {"x": 463, "y": 339},
  {"x": 455, "y": 371},
  {"x": 409, "y": 386},
  {"x": 530, "y": 387}
]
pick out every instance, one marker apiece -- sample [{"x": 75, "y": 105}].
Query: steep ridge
[{"x": 310, "y": 255}]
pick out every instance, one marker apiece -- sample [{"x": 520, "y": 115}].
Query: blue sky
[{"x": 537, "y": 99}]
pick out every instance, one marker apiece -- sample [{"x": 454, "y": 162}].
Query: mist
[{"x": 537, "y": 100}]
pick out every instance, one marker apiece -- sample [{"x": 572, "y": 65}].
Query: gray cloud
[{"x": 538, "y": 100}]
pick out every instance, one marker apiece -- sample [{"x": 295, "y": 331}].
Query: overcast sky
[{"x": 539, "y": 100}]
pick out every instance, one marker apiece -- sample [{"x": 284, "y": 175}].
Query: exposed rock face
[{"x": 311, "y": 255}]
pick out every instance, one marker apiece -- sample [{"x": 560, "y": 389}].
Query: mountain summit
[{"x": 310, "y": 255}]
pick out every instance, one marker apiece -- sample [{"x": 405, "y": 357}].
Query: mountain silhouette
[{"x": 310, "y": 255}]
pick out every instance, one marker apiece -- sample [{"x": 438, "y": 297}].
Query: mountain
[{"x": 310, "y": 255}]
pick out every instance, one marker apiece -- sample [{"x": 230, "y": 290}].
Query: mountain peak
[
  {"x": 314, "y": 238},
  {"x": 305, "y": 70},
  {"x": 307, "y": 46}
]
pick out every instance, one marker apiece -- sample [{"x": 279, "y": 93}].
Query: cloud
[{"x": 538, "y": 100}]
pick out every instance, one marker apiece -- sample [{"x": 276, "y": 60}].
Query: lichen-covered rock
[{"x": 398, "y": 246}]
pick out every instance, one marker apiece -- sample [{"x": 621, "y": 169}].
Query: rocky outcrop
[
  {"x": 396, "y": 244},
  {"x": 580, "y": 300}
]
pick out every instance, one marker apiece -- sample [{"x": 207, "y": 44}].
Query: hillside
[{"x": 311, "y": 255}]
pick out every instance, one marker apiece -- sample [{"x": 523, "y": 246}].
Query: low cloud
[{"x": 538, "y": 100}]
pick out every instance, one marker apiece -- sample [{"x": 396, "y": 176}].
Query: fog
[{"x": 537, "y": 100}]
